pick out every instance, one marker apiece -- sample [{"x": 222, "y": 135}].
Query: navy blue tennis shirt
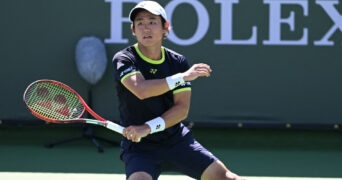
[{"x": 134, "y": 111}]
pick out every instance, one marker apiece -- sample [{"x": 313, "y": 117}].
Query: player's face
[{"x": 148, "y": 29}]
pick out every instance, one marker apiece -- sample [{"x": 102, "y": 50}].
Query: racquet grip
[{"x": 115, "y": 127}]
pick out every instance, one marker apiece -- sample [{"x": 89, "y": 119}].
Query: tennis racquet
[{"x": 55, "y": 102}]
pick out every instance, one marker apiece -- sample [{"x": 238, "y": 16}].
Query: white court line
[{"x": 86, "y": 176}]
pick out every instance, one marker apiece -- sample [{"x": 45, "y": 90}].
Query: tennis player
[{"x": 154, "y": 89}]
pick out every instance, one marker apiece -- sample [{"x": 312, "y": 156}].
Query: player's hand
[
  {"x": 197, "y": 70},
  {"x": 135, "y": 133}
]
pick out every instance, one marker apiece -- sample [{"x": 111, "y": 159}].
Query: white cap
[{"x": 150, "y": 6}]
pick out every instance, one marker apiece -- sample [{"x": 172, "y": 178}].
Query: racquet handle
[{"x": 115, "y": 127}]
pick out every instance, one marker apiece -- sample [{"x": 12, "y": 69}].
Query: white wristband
[
  {"x": 174, "y": 81},
  {"x": 156, "y": 125}
]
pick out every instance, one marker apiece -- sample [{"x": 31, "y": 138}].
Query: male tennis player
[{"x": 154, "y": 89}]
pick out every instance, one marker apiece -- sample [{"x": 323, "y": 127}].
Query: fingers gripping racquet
[{"x": 55, "y": 102}]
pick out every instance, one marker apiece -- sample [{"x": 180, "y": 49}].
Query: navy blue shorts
[{"x": 187, "y": 157}]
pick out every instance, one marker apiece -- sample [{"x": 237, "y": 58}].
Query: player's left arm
[{"x": 179, "y": 111}]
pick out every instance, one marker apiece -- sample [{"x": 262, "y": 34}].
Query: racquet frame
[{"x": 97, "y": 121}]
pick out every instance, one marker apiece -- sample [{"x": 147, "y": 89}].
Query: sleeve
[
  {"x": 183, "y": 66},
  {"x": 123, "y": 66}
]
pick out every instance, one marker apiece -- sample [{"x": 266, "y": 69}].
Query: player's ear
[
  {"x": 133, "y": 29},
  {"x": 167, "y": 26},
  {"x": 166, "y": 29}
]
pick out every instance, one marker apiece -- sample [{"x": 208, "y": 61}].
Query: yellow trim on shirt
[
  {"x": 182, "y": 90},
  {"x": 160, "y": 61},
  {"x": 129, "y": 74}
]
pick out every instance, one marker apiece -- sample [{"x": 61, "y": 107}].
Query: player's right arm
[{"x": 142, "y": 88}]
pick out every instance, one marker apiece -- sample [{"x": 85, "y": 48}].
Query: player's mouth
[{"x": 147, "y": 37}]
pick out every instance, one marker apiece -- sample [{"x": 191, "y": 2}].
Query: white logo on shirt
[{"x": 119, "y": 65}]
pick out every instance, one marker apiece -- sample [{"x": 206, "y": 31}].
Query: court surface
[
  {"x": 254, "y": 154},
  {"x": 87, "y": 176}
]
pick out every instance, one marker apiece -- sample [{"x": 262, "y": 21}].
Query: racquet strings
[{"x": 53, "y": 101}]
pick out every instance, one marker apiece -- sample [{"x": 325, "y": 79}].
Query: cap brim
[
  {"x": 150, "y": 6},
  {"x": 134, "y": 12}
]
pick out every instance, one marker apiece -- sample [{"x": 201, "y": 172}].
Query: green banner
[{"x": 273, "y": 61}]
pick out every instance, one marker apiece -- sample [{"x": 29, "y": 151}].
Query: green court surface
[{"x": 256, "y": 154}]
